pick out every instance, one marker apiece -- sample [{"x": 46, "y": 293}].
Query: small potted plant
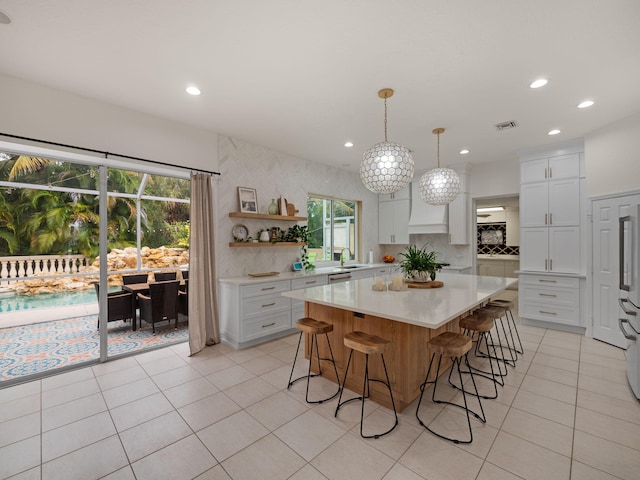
[{"x": 419, "y": 264}]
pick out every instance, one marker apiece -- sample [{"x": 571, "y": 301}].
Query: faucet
[{"x": 342, "y": 256}]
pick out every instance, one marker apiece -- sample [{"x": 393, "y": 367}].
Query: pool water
[{"x": 10, "y": 302}]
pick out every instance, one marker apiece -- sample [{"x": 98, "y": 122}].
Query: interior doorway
[{"x": 496, "y": 243}]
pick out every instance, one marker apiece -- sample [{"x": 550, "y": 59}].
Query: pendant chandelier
[
  {"x": 439, "y": 186},
  {"x": 386, "y": 167}
]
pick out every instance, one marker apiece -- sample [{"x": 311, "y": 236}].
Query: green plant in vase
[{"x": 419, "y": 264}]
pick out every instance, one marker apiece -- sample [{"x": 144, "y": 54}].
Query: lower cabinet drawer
[
  {"x": 550, "y": 281},
  {"x": 568, "y": 297},
  {"x": 260, "y": 327},
  {"x": 265, "y": 305},
  {"x": 550, "y": 313}
]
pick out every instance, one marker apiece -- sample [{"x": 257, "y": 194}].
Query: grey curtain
[{"x": 203, "y": 302}]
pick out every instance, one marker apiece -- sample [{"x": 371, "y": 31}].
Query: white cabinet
[
  {"x": 550, "y": 168},
  {"x": 459, "y": 211},
  {"x": 513, "y": 227},
  {"x": 250, "y": 313},
  {"x": 551, "y": 219},
  {"x": 550, "y": 299},
  {"x": 393, "y": 217},
  {"x": 297, "y": 306},
  {"x": 555, "y": 249},
  {"x": 553, "y": 203}
]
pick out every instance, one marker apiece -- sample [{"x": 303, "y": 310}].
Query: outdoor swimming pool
[{"x": 10, "y": 302}]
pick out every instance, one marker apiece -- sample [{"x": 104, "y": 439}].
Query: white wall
[
  {"x": 612, "y": 158},
  {"x": 273, "y": 174},
  {"x": 35, "y": 111},
  {"x": 494, "y": 179}
]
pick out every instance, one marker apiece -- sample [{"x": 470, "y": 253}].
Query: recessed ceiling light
[
  {"x": 464, "y": 151},
  {"x": 585, "y": 104},
  {"x": 4, "y": 18},
  {"x": 193, "y": 90},
  {"x": 541, "y": 82},
  {"x": 348, "y": 144},
  {"x": 555, "y": 131}
]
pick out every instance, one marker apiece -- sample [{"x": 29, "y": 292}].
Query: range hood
[{"x": 426, "y": 218}]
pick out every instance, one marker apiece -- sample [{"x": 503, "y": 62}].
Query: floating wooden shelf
[
  {"x": 265, "y": 216},
  {"x": 266, "y": 244}
]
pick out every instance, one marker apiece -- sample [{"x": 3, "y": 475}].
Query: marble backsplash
[{"x": 458, "y": 255}]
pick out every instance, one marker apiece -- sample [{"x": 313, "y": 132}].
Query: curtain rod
[{"x": 106, "y": 154}]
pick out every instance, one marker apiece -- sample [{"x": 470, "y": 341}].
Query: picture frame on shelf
[{"x": 248, "y": 200}]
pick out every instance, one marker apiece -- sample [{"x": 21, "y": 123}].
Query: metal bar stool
[
  {"x": 314, "y": 328},
  {"x": 497, "y": 313},
  {"x": 482, "y": 326},
  {"x": 367, "y": 344},
  {"x": 508, "y": 307},
  {"x": 456, "y": 347}
]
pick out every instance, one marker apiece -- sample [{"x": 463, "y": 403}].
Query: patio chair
[
  {"x": 164, "y": 276},
  {"x": 120, "y": 306},
  {"x": 161, "y": 303},
  {"x": 183, "y": 298},
  {"x": 136, "y": 278}
]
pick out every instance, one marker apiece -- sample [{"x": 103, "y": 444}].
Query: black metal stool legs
[
  {"x": 456, "y": 363},
  {"x": 365, "y": 394},
  {"x": 309, "y": 375}
]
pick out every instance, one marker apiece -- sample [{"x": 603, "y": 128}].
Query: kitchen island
[{"x": 409, "y": 318}]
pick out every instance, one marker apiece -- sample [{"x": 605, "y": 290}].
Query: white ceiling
[{"x": 302, "y": 77}]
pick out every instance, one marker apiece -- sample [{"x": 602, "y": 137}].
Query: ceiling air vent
[{"x": 506, "y": 125}]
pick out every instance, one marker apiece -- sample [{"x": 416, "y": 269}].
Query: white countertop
[
  {"x": 498, "y": 256},
  {"x": 430, "y": 308},
  {"x": 247, "y": 280}
]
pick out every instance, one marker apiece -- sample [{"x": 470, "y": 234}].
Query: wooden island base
[{"x": 407, "y": 360}]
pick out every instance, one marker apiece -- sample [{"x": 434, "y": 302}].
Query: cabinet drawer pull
[
  {"x": 547, "y": 281},
  {"x": 550, "y": 173},
  {"x": 547, "y": 295},
  {"x": 310, "y": 282},
  {"x": 547, "y": 313},
  {"x": 268, "y": 288},
  {"x": 551, "y": 219},
  {"x": 269, "y": 325},
  {"x": 545, "y": 172},
  {"x": 269, "y": 305},
  {"x": 550, "y": 264}
]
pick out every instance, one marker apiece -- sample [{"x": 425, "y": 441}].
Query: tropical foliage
[{"x": 60, "y": 214}]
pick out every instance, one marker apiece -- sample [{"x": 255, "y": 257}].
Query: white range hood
[{"x": 426, "y": 218}]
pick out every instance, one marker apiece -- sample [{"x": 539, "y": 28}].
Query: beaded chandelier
[
  {"x": 386, "y": 167},
  {"x": 439, "y": 186}
]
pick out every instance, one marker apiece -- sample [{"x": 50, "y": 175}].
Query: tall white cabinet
[
  {"x": 552, "y": 239},
  {"x": 393, "y": 217}
]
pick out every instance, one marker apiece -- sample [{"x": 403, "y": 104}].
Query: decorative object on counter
[
  {"x": 240, "y": 233},
  {"x": 386, "y": 167},
  {"x": 273, "y": 208},
  {"x": 427, "y": 284},
  {"x": 379, "y": 283},
  {"x": 397, "y": 280},
  {"x": 297, "y": 266},
  {"x": 388, "y": 258},
  {"x": 439, "y": 186},
  {"x": 419, "y": 264},
  {"x": 248, "y": 200}
]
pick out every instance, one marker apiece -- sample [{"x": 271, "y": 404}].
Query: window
[{"x": 333, "y": 228}]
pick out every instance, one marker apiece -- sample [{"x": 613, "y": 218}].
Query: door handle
[
  {"x": 628, "y": 336},
  {"x": 622, "y": 302},
  {"x": 269, "y": 305},
  {"x": 547, "y": 295}
]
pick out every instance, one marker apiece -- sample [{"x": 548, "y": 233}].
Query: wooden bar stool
[
  {"x": 482, "y": 325},
  {"x": 498, "y": 313},
  {"x": 367, "y": 344},
  {"x": 511, "y": 322},
  {"x": 314, "y": 328},
  {"x": 456, "y": 347}
]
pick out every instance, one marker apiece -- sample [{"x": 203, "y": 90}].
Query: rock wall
[{"x": 169, "y": 259}]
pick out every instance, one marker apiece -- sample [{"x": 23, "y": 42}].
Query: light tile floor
[{"x": 566, "y": 411}]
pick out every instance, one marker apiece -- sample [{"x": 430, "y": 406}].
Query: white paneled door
[{"x": 605, "y": 290}]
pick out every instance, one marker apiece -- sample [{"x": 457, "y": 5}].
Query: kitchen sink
[{"x": 350, "y": 267}]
